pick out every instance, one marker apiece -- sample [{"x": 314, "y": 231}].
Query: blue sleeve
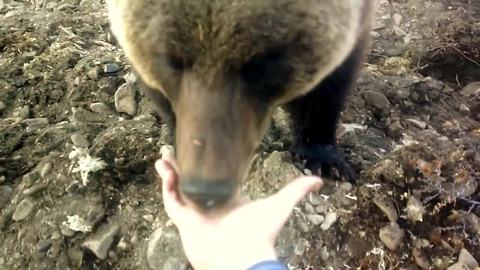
[{"x": 269, "y": 265}]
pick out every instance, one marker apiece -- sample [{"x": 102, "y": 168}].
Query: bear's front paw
[{"x": 321, "y": 159}]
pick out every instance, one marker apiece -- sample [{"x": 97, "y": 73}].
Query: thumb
[{"x": 294, "y": 192}]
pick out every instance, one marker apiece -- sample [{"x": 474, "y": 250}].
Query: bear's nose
[{"x": 207, "y": 194}]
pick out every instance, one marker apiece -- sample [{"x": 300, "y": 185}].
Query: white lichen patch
[
  {"x": 78, "y": 224},
  {"x": 85, "y": 164}
]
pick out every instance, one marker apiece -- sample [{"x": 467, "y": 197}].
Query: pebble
[
  {"x": 397, "y": 18},
  {"x": 125, "y": 100},
  {"x": 347, "y": 187},
  {"x": 94, "y": 215},
  {"x": 330, "y": 219},
  {"x": 30, "y": 178},
  {"x": 2, "y": 178},
  {"x": 464, "y": 109},
  {"x": 100, "y": 107},
  {"x": 100, "y": 242},
  {"x": 75, "y": 254},
  {"x": 466, "y": 258},
  {"x": 387, "y": 208},
  {"x": 419, "y": 124},
  {"x": 164, "y": 245},
  {"x": 46, "y": 169},
  {"x": 396, "y": 130},
  {"x": 36, "y": 122},
  {"x": 315, "y": 219},
  {"x": 2, "y": 106},
  {"x": 324, "y": 254},
  {"x": 79, "y": 140},
  {"x": 5, "y": 192},
  {"x": 309, "y": 208},
  {"x": 23, "y": 210},
  {"x": 43, "y": 245},
  {"x": 22, "y": 112},
  {"x": 111, "y": 68},
  {"x": 471, "y": 89},
  {"x": 399, "y": 32},
  {"x": 93, "y": 74},
  {"x": 415, "y": 209},
  {"x": 420, "y": 259},
  {"x": 34, "y": 189},
  {"x": 56, "y": 235},
  {"x": 321, "y": 209},
  {"x": 300, "y": 247},
  {"x": 392, "y": 235},
  {"x": 376, "y": 99},
  {"x": 66, "y": 231},
  {"x": 459, "y": 266}
]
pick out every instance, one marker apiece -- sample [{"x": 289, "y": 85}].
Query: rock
[
  {"x": 34, "y": 189},
  {"x": 397, "y": 18},
  {"x": 111, "y": 68},
  {"x": 315, "y": 219},
  {"x": 387, "y": 207},
  {"x": 22, "y": 112},
  {"x": 420, "y": 259},
  {"x": 309, "y": 208},
  {"x": 36, "y": 122},
  {"x": 395, "y": 130},
  {"x": 23, "y": 210},
  {"x": 300, "y": 247},
  {"x": 43, "y": 245},
  {"x": 125, "y": 100},
  {"x": 415, "y": 209},
  {"x": 79, "y": 140},
  {"x": 100, "y": 107},
  {"x": 472, "y": 89},
  {"x": 46, "y": 169},
  {"x": 93, "y": 74},
  {"x": 324, "y": 254},
  {"x": 464, "y": 109},
  {"x": 330, "y": 219},
  {"x": 467, "y": 259},
  {"x": 66, "y": 231},
  {"x": 2, "y": 178},
  {"x": 164, "y": 245},
  {"x": 376, "y": 99},
  {"x": 75, "y": 254},
  {"x": 94, "y": 215},
  {"x": 2, "y": 106},
  {"x": 419, "y": 124},
  {"x": 347, "y": 187},
  {"x": 399, "y": 32},
  {"x": 392, "y": 235},
  {"x": 100, "y": 242},
  {"x": 459, "y": 266},
  {"x": 5, "y": 193}
]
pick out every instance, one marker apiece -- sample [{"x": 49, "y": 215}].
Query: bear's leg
[
  {"x": 316, "y": 114},
  {"x": 163, "y": 107}
]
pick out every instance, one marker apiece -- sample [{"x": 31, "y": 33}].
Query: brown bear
[{"x": 217, "y": 69}]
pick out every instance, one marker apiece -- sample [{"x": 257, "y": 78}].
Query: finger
[
  {"x": 294, "y": 192},
  {"x": 171, "y": 199}
]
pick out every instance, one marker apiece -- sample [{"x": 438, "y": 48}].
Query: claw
[{"x": 321, "y": 159}]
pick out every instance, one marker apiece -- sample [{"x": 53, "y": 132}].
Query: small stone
[
  {"x": 415, "y": 209},
  {"x": 330, "y": 219},
  {"x": 93, "y": 74},
  {"x": 100, "y": 242},
  {"x": 466, "y": 258},
  {"x": 419, "y": 124},
  {"x": 2, "y": 178},
  {"x": 300, "y": 247},
  {"x": 36, "y": 122},
  {"x": 464, "y": 109},
  {"x": 43, "y": 245},
  {"x": 459, "y": 266},
  {"x": 324, "y": 254},
  {"x": 376, "y": 99},
  {"x": 420, "y": 259},
  {"x": 94, "y": 215},
  {"x": 309, "y": 208},
  {"x": 471, "y": 89},
  {"x": 66, "y": 231},
  {"x": 34, "y": 189},
  {"x": 315, "y": 219},
  {"x": 46, "y": 169},
  {"x": 347, "y": 187},
  {"x": 111, "y": 68},
  {"x": 302, "y": 226},
  {"x": 75, "y": 254},
  {"x": 56, "y": 235},
  {"x": 392, "y": 235},
  {"x": 30, "y": 178},
  {"x": 100, "y": 107},
  {"x": 2, "y": 106},
  {"x": 5, "y": 193},
  {"x": 167, "y": 151},
  {"x": 396, "y": 130},
  {"x": 397, "y": 18},
  {"x": 387, "y": 207},
  {"x": 321, "y": 209},
  {"x": 125, "y": 100},
  {"x": 378, "y": 24},
  {"x": 163, "y": 245},
  {"x": 122, "y": 244},
  {"x": 23, "y": 210},
  {"x": 22, "y": 112},
  {"x": 399, "y": 32},
  {"x": 79, "y": 140},
  {"x": 375, "y": 34}
]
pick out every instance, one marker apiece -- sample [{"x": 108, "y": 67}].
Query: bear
[{"x": 217, "y": 69}]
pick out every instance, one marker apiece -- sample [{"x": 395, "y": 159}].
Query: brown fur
[{"x": 220, "y": 121}]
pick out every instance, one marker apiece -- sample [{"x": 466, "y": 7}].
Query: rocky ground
[{"x": 78, "y": 140}]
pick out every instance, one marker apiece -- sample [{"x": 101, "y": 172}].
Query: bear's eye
[
  {"x": 176, "y": 62},
  {"x": 267, "y": 73}
]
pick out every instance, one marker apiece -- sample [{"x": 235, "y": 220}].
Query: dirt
[{"x": 411, "y": 128}]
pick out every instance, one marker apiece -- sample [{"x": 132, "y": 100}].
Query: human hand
[{"x": 237, "y": 237}]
